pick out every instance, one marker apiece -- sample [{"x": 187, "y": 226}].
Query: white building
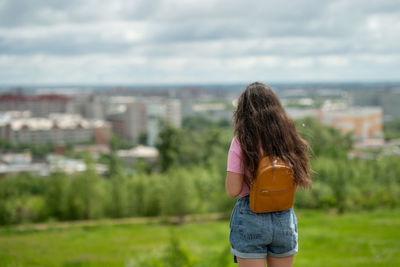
[
  {"x": 90, "y": 106},
  {"x": 135, "y": 118},
  {"x": 147, "y": 153},
  {"x": 159, "y": 108},
  {"x": 57, "y": 128},
  {"x": 299, "y": 113}
]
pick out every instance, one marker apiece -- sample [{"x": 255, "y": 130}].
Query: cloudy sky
[{"x": 188, "y": 41}]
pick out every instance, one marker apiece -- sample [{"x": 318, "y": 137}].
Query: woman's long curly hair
[{"x": 261, "y": 121}]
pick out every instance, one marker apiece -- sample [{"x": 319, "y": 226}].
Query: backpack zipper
[{"x": 267, "y": 191}]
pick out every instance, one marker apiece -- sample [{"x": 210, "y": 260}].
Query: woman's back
[
  {"x": 261, "y": 128},
  {"x": 261, "y": 121}
]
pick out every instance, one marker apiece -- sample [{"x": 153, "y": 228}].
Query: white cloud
[
  {"x": 380, "y": 59},
  {"x": 300, "y": 62},
  {"x": 334, "y": 61}
]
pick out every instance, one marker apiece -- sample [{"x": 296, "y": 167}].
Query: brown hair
[{"x": 261, "y": 120}]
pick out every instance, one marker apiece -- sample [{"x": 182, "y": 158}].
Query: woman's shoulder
[{"x": 235, "y": 145}]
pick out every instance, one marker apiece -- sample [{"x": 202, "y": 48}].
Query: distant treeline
[{"x": 190, "y": 178}]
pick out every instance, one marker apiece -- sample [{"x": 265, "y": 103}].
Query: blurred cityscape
[{"x": 74, "y": 119}]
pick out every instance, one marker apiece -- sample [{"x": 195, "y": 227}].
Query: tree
[
  {"x": 391, "y": 129},
  {"x": 117, "y": 143},
  {"x": 115, "y": 167},
  {"x": 85, "y": 197},
  {"x": 324, "y": 140},
  {"x": 168, "y": 145},
  {"x": 143, "y": 138}
]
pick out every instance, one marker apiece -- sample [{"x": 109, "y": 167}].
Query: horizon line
[{"x": 190, "y": 84}]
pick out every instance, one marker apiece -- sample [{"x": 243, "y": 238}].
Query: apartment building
[
  {"x": 133, "y": 116},
  {"x": 365, "y": 123},
  {"x": 38, "y": 105},
  {"x": 161, "y": 108},
  {"x": 57, "y": 128}
]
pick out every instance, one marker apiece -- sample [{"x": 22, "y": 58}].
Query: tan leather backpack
[{"x": 273, "y": 188}]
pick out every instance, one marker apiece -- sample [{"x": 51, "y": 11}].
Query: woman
[{"x": 261, "y": 125}]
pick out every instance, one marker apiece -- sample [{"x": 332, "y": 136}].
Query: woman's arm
[{"x": 233, "y": 183}]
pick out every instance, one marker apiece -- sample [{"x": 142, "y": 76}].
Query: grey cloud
[
  {"x": 251, "y": 10},
  {"x": 15, "y": 13},
  {"x": 20, "y": 12},
  {"x": 68, "y": 43},
  {"x": 205, "y": 20},
  {"x": 217, "y": 30}
]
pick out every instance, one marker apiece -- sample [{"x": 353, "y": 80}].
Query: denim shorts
[{"x": 256, "y": 235}]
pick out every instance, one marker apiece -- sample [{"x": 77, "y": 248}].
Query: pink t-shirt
[{"x": 235, "y": 164}]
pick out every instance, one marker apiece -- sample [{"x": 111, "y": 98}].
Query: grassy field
[{"x": 353, "y": 239}]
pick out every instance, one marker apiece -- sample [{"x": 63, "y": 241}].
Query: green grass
[{"x": 354, "y": 239}]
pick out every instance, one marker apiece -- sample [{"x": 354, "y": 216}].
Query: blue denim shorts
[{"x": 256, "y": 235}]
